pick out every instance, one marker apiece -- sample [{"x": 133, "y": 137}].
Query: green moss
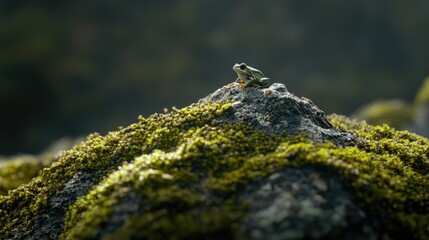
[
  {"x": 101, "y": 155},
  {"x": 184, "y": 171},
  {"x": 395, "y": 113},
  {"x": 177, "y": 178},
  {"x": 21, "y": 169},
  {"x": 388, "y": 172}
]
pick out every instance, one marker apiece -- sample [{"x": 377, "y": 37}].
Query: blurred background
[{"x": 69, "y": 68}]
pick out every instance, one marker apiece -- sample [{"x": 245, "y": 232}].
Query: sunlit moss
[
  {"x": 101, "y": 155},
  {"x": 184, "y": 172},
  {"x": 388, "y": 172},
  {"x": 202, "y": 162},
  {"x": 395, "y": 113},
  {"x": 21, "y": 169}
]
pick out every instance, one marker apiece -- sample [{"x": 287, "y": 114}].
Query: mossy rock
[
  {"x": 15, "y": 171},
  {"x": 395, "y": 113},
  {"x": 191, "y": 173},
  {"x": 20, "y": 169}
]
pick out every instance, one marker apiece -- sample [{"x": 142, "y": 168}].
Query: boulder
[{"x": 241, "y": 164}]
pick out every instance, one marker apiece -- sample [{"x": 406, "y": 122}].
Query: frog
[{"x": 251, "y": 77}]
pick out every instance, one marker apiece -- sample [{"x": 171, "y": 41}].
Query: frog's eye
[{"x": 243, "y": 66}]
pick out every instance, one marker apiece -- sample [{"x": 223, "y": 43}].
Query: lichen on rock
[{"x": 241, "y": 164}]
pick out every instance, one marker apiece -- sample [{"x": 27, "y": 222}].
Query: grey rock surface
[
  {"x": 276, "y": 110},
  {"x": 50, "y": 219},
  {"x": 304, "y": 203}
]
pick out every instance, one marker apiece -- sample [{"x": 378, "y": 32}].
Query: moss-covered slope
[
  {"x": 189, "y": 174},
  {"x": 20, "y": 169}
]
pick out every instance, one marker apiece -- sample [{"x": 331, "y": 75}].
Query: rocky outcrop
[
  {"x": 242, "y": 164},
  {"x": 276, "y": 110}
]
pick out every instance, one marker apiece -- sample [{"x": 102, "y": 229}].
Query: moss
[
  {"x": 392, "y": 178},
  {"x": 211, "y": 164},
  {"x": 21, "y": 169},
  {"x": 184, "y": 171},
  {"x": 395, "y": 113},
  {"x": 172, "y": 183},
  {"x": 100, "y": 155}
]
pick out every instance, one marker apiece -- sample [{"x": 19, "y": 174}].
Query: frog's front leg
[{"x": 250, "y": 83}]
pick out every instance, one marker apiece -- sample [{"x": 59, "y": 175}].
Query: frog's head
[{"x": 241, "y": 69}]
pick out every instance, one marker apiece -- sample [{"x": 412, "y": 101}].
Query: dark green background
[{"x": 68, "y": 68}]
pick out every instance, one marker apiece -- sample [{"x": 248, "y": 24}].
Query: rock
[
  {"x": 304, "y": 203},
  {"x": 276, "y": 110},
  {"x": 257, "y": 167},
  {"x": 396, "y": 113}
]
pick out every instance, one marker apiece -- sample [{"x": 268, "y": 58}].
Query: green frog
[{"x": 250, "y": 76}]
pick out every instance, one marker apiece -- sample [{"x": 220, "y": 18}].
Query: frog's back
[{"x": 258, "y": 74}]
